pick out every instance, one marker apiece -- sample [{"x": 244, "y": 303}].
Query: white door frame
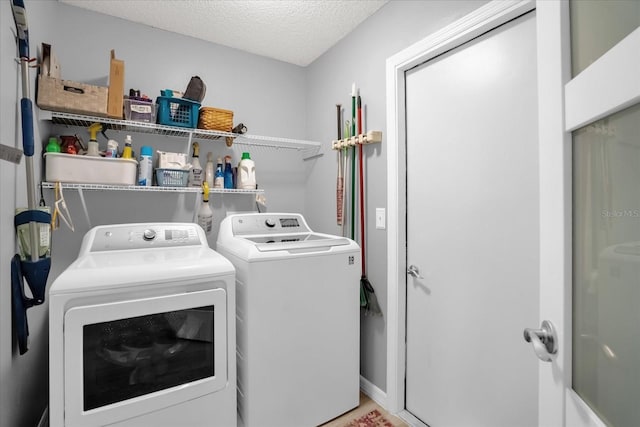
[
  {"x": 554, "y": 145},
  {"x": 480, "y": 21}
]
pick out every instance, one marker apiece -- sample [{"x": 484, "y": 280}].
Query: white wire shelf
[
  {"x": 108, "y": 187},
  {"x": 309, "y": 148}
]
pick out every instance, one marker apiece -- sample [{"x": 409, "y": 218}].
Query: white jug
[{"x": 246, "y": 173}]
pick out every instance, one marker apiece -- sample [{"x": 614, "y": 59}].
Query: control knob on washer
[
  {"x": 149, "y": 234},
  {"x": 270, "y": 223}
]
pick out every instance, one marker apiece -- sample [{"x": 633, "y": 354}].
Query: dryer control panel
[{"x": 143, "y": 236}]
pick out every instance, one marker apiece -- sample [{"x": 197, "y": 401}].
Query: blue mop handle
[
  {"x": 27, "y": 126},
  {"x": 26, "y": 108}
]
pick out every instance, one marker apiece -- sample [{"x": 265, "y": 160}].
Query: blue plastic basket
[{"x": 177, "y": 112}]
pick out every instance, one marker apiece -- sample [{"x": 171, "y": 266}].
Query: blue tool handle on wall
[
  {"x": 20, "y": 18},
  {"x": 27, "y": 126}
]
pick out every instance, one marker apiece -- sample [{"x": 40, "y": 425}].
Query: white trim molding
[
  {"x": 373, "y": 391},
  {"x": 480, "y": 21},
  {"x": 606, "y": 88}
]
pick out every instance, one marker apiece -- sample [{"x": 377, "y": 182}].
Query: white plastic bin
[{"x": 89, "y": 170}]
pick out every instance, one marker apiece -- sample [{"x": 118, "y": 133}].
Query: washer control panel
[
  {"x": 243, "y": 225},
  {"x": 142, "y": 236}
]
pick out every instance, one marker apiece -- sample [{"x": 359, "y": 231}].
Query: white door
[
  {"x": 589, "y": 63},
  {"x": 472, "y": 231}
]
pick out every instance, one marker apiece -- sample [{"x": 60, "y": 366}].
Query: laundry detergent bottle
[
  {"x": 246, "y": 173},
  {"x": 228, "y": 173}
]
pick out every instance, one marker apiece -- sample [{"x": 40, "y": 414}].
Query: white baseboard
[{"x": 373, "y": 391}]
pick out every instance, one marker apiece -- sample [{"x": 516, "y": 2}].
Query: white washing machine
[
  {"x": 142, "y": 331},
  {"x": 298, "y": 319}
]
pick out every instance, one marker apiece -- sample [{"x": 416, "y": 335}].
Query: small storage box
[
  {"x": 215, "y": 119},
  {"x": 139, "y": 111},
  {"x": 71, "y": 97},
  {"x": 78, "y": 169},
  {"x": 172, "y": 177},
  {"x": 177, "y": 112}
]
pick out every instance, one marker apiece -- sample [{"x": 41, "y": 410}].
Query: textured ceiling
[{"x": 294, "y": 31}]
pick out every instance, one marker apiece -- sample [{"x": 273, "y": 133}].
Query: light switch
[{"x": 380, "y": 219}]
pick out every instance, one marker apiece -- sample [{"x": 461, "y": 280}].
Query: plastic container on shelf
[
  {"x": 139, "y": 110},
  {"x": 177, "y": 112},
  {"x": 145, "y": 175},
  {"x": 76, "y": 169},
  {"x": 172, "y": 177},
  {"x": 246, "y": 173}
]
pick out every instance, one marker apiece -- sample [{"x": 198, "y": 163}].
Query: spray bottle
[
  {"x": 218, "y": 177},
  {"x": 205, "y": 214},
  {"x": 208, "y": 171},
  {"x": 195, "y": 174},
  {"x": 92, "y": 149}
]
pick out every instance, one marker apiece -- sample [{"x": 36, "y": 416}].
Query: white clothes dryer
[
  {"x": 298, "y": 319},
  {"x": 142, "y": 331}
]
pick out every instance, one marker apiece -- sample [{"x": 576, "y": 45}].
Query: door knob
[
  {"x": 544, "y": 340},
  {"x": 414, "y": 271}
]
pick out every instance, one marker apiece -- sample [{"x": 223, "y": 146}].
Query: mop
[
  {"x": 340, "y": 182},
  {"x": 345, "y": 166},
  {"x": 367, "y": 293},
  {"x": 33, "y": 264},
  {"x": 353, "y": 163}
]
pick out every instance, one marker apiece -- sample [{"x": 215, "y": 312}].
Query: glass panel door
[
  {"x": 606, "y": 270},
  {"x": 606, "y": 230},
  {"x": 597, "y": 26}
]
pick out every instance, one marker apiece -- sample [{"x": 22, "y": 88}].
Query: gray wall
[
  {"x": 361, "y": 58},
  {"x": 272, "y": 98}
]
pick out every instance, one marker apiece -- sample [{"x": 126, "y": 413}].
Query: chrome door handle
[
  {"x": 544, "y": 340},
  {"x": 414, "y": 271}
]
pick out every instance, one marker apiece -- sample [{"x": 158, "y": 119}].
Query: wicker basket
[{"x": 215, "y": 119}]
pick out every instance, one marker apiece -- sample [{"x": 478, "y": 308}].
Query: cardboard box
[{"x": 116, "y": 87}]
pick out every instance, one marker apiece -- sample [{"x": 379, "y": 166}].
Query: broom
[{"x": 367, "y": 293}]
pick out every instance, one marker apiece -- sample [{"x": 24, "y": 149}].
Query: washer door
[{"x": 124, "y": 359}]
